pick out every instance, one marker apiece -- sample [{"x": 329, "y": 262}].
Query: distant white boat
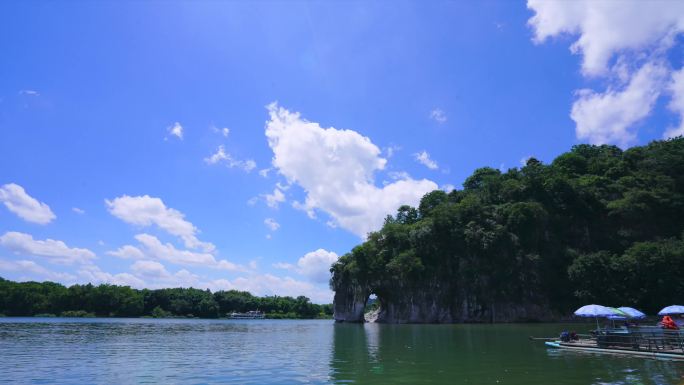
[{"x": 252, "y": 314}]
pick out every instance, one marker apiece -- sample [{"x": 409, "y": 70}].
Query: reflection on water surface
[
  {"x": 480, "y": 354},
  {"x": 106, "y": 351}
]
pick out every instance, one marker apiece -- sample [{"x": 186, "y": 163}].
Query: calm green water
[{"x": 123, "y": 351}]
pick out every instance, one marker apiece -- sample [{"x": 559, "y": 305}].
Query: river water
[{"x": 128, "y": 351}]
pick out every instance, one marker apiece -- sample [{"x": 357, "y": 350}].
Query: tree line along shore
[{"x": 49, "y": 299}]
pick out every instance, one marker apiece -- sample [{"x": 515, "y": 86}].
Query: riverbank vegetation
[
  {"x": 596, "y": 225},
  {"x": 53, "y": 299}
]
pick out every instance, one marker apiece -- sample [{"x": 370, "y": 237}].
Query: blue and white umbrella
[
  {"x": 617, "y": 314},
  {"x": 594, "y": 311},
  {"x": 672, "y": 309},
  {"x": 632, "y": 312}
]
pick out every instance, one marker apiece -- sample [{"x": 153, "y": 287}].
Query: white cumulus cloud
[
  {"x": 625, "y": 44},
  {"x": 336, "y": 170},
  {"x": 676, "y": 87},
  {"x": 32, "y": 270},
  {"x": 15, "y": 198},
  {"x": 144, "y": 274},
  {"x": 147, "y": 211},
  {"x": 284, "y": 266},
  {"x": 315, "y": 265},
  {"x": 127, "y": 252},
  {"x": 605, "y": 28},
  {"x": 150, "y": 269},
  {"x": 152, "y": 248},
  {"x": 168, "y": 252},
  {"x": 93, "y": 274},
  {"x": 398, "y": 175},
  {"x": 55, "y": 251},
  {"x": 609, "y": 117},
  {"x": 156, "y": 275}
]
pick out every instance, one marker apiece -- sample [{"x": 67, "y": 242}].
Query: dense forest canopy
[
  {"x": 598, "y": 224},
  {"x": 49, "y": 298}
]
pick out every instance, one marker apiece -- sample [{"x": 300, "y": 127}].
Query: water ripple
[
  {"x": 265, "y": 352},
  {"x": 165, "y": 351}
]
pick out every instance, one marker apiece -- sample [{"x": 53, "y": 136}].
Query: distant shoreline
[
  {"x": 647, "y": 321},
  {"x": 92, "y": 316},
  {"x": 50, "y": 299}
]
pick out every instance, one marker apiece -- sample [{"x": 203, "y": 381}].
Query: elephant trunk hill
[{"x": 598, "y": 224}]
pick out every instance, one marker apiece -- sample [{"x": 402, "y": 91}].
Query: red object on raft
[{"x": 668, "y": 323}]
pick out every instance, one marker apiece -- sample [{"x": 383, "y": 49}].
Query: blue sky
[{"x": 247, "y": 144}]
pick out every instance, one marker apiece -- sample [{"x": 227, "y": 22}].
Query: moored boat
[
  {"x": 644, "y": 341},
  {"x": 664, "y": 341},
  {"x": 252, "y": 314}
]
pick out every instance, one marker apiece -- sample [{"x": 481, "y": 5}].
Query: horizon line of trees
[{"x": 105, "y": 300}]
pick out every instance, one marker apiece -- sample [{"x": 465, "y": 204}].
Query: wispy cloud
[
  {"x": 438, "y": 116},
  {"x": 271, "y": 224},
  {"x": 176, "y": 130},
  {"x": 423, "y": 158},
  {"x": 524, "y": 159},
  {"x": 29, "y": 92},
  {"x": 221, "y": 156},
  {"x": 223, "y": 131},
  {"x": 448, "y": 188},
  {"x": 275, "y": 199},
  {"x": 391, "y": 150}
]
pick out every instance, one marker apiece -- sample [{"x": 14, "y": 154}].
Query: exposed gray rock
[
  {"x": 349, "y": 303},
  {"x": 433, "y": 303}
]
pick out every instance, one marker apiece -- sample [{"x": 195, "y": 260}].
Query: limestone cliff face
[
  {"x": 433, "y": 303},
  {"x": 349, "y": 302},
  {"x": 426, "y": 308}
]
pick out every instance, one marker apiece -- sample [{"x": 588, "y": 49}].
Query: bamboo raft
[{"x": 652, "y": 342}]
